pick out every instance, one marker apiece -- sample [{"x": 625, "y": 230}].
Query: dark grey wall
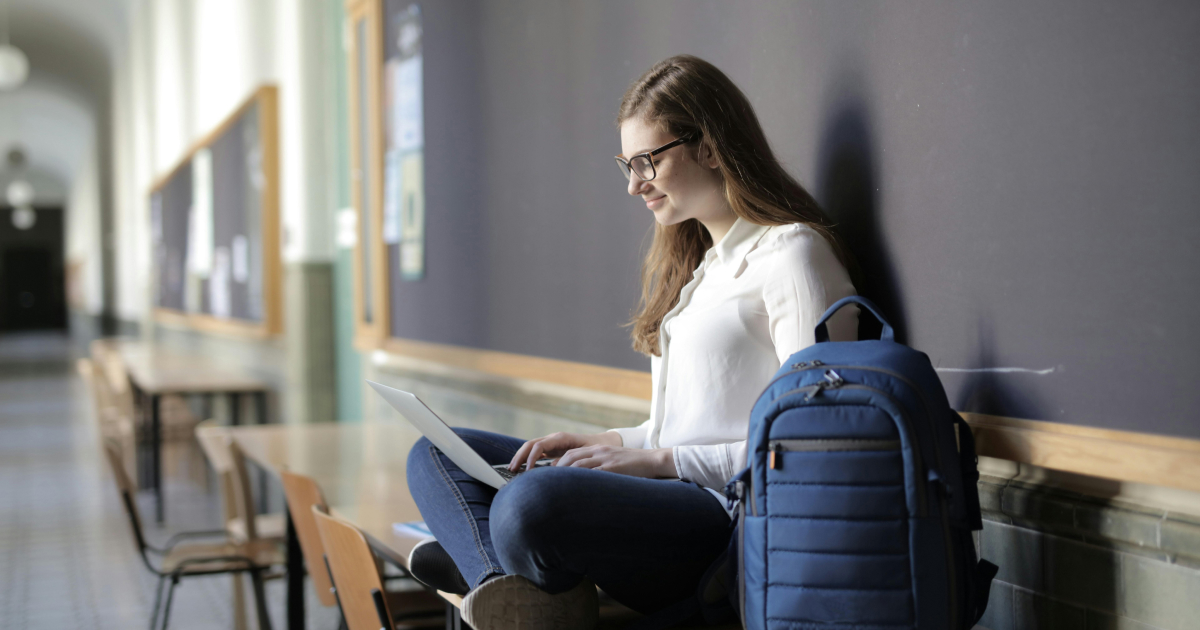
[
  {"x": 1020, "y": 180},
  {"x": 447, "y": 305}
]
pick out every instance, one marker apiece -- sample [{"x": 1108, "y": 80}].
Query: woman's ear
[{"x": 706, "y": 157}]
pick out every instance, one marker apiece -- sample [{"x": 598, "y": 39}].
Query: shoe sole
[
  {"x": 435, "y": 568},
  {"x": 511, "y": 602}
]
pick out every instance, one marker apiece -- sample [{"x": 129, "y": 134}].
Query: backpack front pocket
[{"x": 837, "y": 531}]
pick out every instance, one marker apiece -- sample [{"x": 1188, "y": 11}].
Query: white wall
[
  {"x": 188, "y": 66},
  {"x": 83, "y": 238}
]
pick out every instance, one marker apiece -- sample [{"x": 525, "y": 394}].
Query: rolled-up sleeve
[
  {"x": 633, "y": 437},
  {"x": 807, "y": 280},
  {"x": 710, "y": 465}
]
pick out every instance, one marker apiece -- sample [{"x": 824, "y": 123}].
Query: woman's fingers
[
  {"x": 535, "y": 454},
  {"x": 569, "y": 457},
  {"x": 549, "y": 446},
  {"x": 520, "y": 455},
  {"x": 588, "y": 462}
]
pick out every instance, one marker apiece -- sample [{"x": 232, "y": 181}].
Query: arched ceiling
[
  {"x": 72, "y": 47},
  {"x": 56, "y": 129}
]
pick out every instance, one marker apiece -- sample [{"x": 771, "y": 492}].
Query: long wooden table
[
  {"x": 361, "y": 471},
  {"x": 154, "y": 373}
]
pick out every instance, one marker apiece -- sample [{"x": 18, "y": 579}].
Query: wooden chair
[
  {"x": 227, "y": 460},
  {"x": 177, "y": 561},
  {"x": 242, "y": 524},
  {"x": 303, "y": 496},
  {"x": 110, "y": 424},
  {"x": 178, "y": 422},
  {"x": 365, "y": 604}
]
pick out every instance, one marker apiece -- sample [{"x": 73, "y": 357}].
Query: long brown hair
[{"x": 690, "y": 97}]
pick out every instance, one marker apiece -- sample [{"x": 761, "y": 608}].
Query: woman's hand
[
  {"x": 556, "y": 445},
  {"x": 637, "y": 462}
]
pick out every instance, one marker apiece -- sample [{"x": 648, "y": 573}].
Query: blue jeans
[{"x": 645, "y": 542}]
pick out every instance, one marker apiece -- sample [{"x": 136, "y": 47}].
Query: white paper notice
[
  {"x": 218, "y": 284},
  {"x": 347, "y": 228},
  {"x": 392, "y": 190},
  {"x": 241, "y": 259},
  {"x": 200, "y": 226},
  {"x": 408, "y": 120}
]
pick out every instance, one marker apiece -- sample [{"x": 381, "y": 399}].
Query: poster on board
[{"x": 404, "y": 173}]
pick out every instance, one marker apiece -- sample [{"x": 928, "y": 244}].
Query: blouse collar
[{"x": 739, "y": 241}]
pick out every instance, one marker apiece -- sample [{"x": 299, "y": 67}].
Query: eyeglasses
[{"x": 642, "y": 164}]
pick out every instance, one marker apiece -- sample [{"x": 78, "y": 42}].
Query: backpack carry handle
[{"x": 822, "y": 331}]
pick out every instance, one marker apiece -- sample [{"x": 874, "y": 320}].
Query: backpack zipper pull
[
  {"x": 833, "y": 379},
  {"x": 773, "y": 461}
]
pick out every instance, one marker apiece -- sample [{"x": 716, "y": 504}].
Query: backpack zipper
[
  {"x": 825, "y": 446},
  {"x": 836, "y": 382}
]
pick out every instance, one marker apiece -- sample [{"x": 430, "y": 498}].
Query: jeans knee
[
  {"x": 525, "y": 517},
  {"x": 420, "y": 458}
]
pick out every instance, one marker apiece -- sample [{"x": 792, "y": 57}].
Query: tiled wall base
[
  {"x": 1083, "y": 565},
  {"x": 308, "y": 331}
]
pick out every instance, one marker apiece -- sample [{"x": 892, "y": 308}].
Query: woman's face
[{"x": 688, "y": 184}]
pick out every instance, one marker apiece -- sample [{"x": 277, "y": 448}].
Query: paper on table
[{"x": 413, "y": 528}]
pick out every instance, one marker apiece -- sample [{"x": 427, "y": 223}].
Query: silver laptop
[{"x": 443, "y": 437}]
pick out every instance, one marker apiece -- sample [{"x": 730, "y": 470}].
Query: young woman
[{"x": 742, "y": 266}]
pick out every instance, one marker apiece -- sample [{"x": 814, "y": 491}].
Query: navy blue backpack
[{"x": 860, "y": 496}]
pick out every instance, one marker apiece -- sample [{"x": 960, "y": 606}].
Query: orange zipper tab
[{"x": 772, "y": 461}]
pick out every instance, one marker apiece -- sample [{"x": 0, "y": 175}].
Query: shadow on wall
[
  {"x": 847, "y": 187},
  {"x": 988, "y": 391}
]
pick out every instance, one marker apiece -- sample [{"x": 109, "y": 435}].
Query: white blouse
[{"x": 752, "y": 303}]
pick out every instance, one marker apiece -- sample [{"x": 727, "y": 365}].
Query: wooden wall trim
[
  {"x": 629, "y": 383},
  {"x": 211, "y": 324},
  {"x": 1159, "y": 460}
]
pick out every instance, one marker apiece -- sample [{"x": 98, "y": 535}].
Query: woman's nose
[{"x": 636, "y": 185}]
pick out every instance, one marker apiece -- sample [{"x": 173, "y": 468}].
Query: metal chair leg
[
  {"x": 260, "y": 601},
  {"x": 157, "y": 602},
  {"x": 166, "y": 617}
]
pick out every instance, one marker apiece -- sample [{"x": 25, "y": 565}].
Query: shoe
[
  {"x": 511, "y": 602},
  {"x": 431, "y": 565}
]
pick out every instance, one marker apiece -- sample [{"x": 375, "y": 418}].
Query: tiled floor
[{"x": 67, "y": 558}]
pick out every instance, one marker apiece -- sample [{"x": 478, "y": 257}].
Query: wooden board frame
[
  {"x": 1156, "y": 460},
  {"x": 266, "y": 98},
  {"x": 368, "y": 334}
]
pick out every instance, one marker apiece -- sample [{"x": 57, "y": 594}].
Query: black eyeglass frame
[{"x": 626, "y": 166}]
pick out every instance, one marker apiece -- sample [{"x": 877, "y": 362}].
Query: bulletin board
[
  {"x": 215, "y": 227},
  {"x": 419, "y": 254}
]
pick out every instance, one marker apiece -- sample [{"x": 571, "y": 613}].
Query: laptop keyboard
[
  {"x": 508, "y": 474},
  {"x": 505, "y": 472}
]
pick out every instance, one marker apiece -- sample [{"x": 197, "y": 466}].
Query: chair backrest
[
  {"x": 302, "y": 495},
  {"x": 354, "y": 573},
  {"x": 230, "y": 465},
  {"x": 243, "y": 498},
  {"x": 108, "y": 370},
  {"x": 126, "y": 490},
  {"x": 98, "y": 387}
]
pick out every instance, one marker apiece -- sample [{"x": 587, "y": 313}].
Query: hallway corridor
[{"x": 67, "y": 558}]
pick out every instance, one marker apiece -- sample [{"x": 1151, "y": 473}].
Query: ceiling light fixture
[
  {"x": 24, "y": 218},
  {"x": 19, "y": 193},
  {"x": 14, "y": 65}
]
